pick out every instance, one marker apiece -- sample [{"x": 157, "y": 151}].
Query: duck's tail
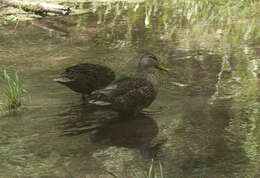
[
  {"x": 99, "y": 97},
  {"x": 62, "y": 80},
  {"x": 99, "y": 103}
]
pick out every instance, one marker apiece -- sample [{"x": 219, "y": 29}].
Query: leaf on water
[{"x": 179, "y": 84}]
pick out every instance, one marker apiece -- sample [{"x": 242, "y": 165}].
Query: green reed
[{"x": 12, "y": 91}]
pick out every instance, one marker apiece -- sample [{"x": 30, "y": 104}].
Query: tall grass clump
[
  {"x": 11, "y": 91},
  {"x": 152, "y": 172}
]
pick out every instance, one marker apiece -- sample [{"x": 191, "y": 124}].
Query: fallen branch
[{"x": 38, "y": 7}]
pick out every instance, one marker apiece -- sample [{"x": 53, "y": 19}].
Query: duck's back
[{"x": 85, "y": 78}]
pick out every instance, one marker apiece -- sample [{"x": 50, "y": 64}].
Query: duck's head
[{"x": 149, "y": 60}]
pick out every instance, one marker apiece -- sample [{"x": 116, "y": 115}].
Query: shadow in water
[
  {"x": 84, "y": 118},
  {"x": 127, "y": 132},
  {"x": 137, "y": 132},
  {"x": 108, "y": 128}
]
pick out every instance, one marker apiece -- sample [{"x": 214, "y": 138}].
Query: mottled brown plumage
[
  {"x": 85, "y": 78},
  {"x": 129, "y": 95}
]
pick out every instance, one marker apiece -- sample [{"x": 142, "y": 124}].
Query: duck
[
  {"x": 130, "y": 95},
  {"x": 85, "y": 78}
]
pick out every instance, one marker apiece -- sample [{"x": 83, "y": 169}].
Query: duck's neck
[{"x": 143, "y": 72}]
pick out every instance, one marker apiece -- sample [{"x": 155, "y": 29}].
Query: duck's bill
[{"x": 161, "y": 67}]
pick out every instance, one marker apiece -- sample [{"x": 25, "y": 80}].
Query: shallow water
[{"x": 204, "y": 122}]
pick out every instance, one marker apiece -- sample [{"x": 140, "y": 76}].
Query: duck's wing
[
  {"x": 120, "y": 86},
  {"x": 87, "y": 69},
  {"x": 87, "y": 72},
  {"x": 71, "y": 73},
  {"x": 124, "y": 91}
]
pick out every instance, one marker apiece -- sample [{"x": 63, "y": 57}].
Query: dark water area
[{"x": 203, "y": 123}]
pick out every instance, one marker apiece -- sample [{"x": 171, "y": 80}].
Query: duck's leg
[
  {"x": 135, "y": 114},
  {"x": 84, "y": 99}
]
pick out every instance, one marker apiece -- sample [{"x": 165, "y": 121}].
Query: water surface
[{"x": 204, "y": 122}]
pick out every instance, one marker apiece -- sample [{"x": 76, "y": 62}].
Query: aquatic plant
[
  {"x": 12, "y": 91},
  {"x": 150, "y": 173}
]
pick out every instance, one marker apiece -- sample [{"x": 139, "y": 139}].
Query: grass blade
[
  {"x": 161, "y": 170},
  {"x": 151, "y": 171},
  {"x": 12, "y": 91},
  {"x": 110, "y": 173}
]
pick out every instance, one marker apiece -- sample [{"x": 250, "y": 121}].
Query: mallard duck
[
  {"x": 129, "y": 95},
  {"x": 85, "y": 78}
]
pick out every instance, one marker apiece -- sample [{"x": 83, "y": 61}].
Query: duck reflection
[
  {"x": 107, "y": 128},
  {"x": 81, "y": 119},
  {"x": 129, "y": 133}
]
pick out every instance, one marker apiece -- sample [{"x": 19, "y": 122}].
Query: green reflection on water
[{"x": 206, "y": 114}]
